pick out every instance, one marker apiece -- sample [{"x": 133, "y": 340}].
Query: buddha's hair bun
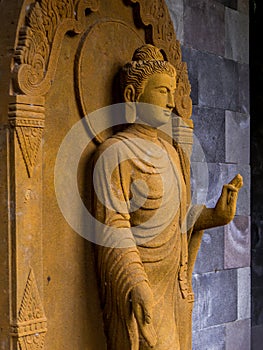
[{"x": 148, "y": 52}]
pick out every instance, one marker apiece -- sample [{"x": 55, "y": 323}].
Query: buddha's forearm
[{"x": 209, "y": 218}]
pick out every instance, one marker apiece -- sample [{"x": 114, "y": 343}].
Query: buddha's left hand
[{"x": 225, "y": 208}]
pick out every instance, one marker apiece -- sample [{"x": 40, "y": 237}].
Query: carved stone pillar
[
  {"x": 26, "y": 117},
  {"x": 31, "y": 326},
  {"x": 183, "y": 134},
  {"x": 28, "y": 323}
]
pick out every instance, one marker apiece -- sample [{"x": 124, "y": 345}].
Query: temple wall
[{"x": 215, "y": 38}]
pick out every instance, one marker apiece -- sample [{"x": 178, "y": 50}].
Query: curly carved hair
[{"x": 146, "y": 61}]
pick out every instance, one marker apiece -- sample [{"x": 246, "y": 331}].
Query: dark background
[{"x": 256, "y": 98}]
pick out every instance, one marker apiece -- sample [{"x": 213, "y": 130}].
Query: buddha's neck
[{"x": 145, "y": 131}]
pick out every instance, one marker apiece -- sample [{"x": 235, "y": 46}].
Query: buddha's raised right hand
[{"x": 142, "y": 305}]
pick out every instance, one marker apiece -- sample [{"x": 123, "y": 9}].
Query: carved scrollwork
[
  {"x": 40, "y": 41},
  {"x": 155, "y": 14},
  {"x": 92, "y": 5},
  {"x": 31, "y": 326},
  {"x": 183, "y": 100}
]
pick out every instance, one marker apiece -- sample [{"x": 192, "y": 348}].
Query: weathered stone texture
[
  {"x": 237, "y": 243},
  {"x": 209, "y": 130},
  {"x": 212, "y": 338},
  {"x": 232, "y": 335},
  {"x": 213, "y": 241},
  {"x": 237, "y": 40},
  {"x": 215, "y": 80},
  {"x": 244, "y": 86},
  {"x": 238, "y": 335},
  {"x": 216, "y": 298},
  {"x": 237, "y": 133},
  {"x": 244, "y": 295},
  {"x": 204, "y": 21},
  {"x": 218, "y": 82}
]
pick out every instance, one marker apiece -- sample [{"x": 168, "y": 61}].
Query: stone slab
[
  {"x": 244, "y": 296},
  {"x": 237, "y": 242},
  {"x": 216, "y": 298},
  {"x": 211, "y": 253},
  {"x": 212, "y": 140},
  {"x": 237, "y": 137},
  {"x": 218, "y": 82},
  {"x": 212, "y": 338},
  {"x": 238, "y": 335},
  {"x": 204, "y": 26},
  {"x": 244, "y": 88},
  {"x": 237, "y": 36}
]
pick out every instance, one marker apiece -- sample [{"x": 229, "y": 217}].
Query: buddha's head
[{"x": 150, "y": 81}]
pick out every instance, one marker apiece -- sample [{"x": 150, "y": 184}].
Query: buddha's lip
[{"x": 167, "y": 112}]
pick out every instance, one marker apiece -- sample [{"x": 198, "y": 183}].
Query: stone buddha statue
[{"x": 152, "y": 232}]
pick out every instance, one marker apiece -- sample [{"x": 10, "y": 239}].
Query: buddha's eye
[{"x": 163, "y": 91}]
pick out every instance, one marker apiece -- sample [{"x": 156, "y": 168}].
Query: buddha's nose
[{"x": 171, "y": 103}]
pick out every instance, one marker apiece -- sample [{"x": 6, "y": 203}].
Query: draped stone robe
[{"x": 141, "y": 203}]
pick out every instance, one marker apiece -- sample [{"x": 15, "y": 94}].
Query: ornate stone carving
[
  {"x": 92, "y": 5},
  {"x": 28, "y": 122},
  {"x": 35, "y": 62},
  {"x": 29, "y": 138},
  {"x": 31, "y": 326},
  {"x": 40, "y": 42},
  {"x": 155, "y": 13}
]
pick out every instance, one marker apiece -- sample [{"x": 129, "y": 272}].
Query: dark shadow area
[{"x": 256, "y": 89}]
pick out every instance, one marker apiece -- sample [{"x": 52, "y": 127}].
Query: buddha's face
[{"x": 157, "y": 99}]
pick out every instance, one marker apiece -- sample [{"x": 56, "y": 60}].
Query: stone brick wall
[{"x": 215, "y": 38}]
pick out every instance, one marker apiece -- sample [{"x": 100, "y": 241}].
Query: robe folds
[{"x": 143, "y": 233}]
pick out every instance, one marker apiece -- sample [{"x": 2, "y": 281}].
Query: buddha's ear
[{"x": 129, "y": 93}]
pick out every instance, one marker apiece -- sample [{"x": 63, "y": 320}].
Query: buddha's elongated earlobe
[
  {"x": 130, "y": 104},
  {"x": 130, "y": 112}
]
